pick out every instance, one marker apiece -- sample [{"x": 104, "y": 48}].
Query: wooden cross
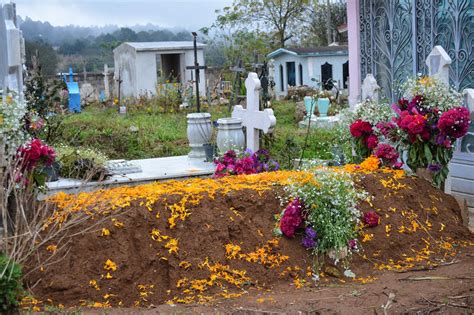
[
  {"x": 252, "y": 118},
  {"x": 196, "y": 68}
]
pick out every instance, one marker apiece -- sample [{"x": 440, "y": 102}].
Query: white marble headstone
[
  {"x": 438, "y": 62},
  {"x": 370, "y": 88},
  {"x": 252, "y": 118}
]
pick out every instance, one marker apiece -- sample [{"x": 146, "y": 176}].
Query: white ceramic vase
[
  {"x": 199, "y": 133},
  {"x": 230, "y": 135}
]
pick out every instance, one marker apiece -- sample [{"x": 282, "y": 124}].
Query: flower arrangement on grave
[
  {"x": 248, "y": 162},
  {"x": 367, "y": 124},
  {"x": 429, "y": 119},
  {"x": 33, "y": 157},
  {"x": 324, "y": 211}
]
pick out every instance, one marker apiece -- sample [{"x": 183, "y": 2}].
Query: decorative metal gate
[{"x": 396, "y": 36}]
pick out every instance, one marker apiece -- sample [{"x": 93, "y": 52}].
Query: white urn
[
  {"x": 199, "y": 133},
  {"x": 230, "y": 135}
]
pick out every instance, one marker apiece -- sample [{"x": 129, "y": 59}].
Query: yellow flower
[
  {"x": 94, "y": 284},
  {"x": 105, "y": 232},
  {"x": 371, "y": 163},
  {"x": 172, "y": 246},
  {"x": 367, "y": 237},
  {"x": 110, "y": 265},
  {"x": 184, "y": 264},
  {"x": 52, "y": 248}
]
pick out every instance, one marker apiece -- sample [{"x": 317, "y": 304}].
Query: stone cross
[
  {"x": 11, "y": 51},
  {"x": 253, "y": 119},
  {"x": 438, "y": 62},
  {"x": 370, "y": 88}
]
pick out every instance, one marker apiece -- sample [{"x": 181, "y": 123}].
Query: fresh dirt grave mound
[{"x": 204, "y": 240}]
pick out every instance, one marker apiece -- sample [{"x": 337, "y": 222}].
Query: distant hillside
[
  {"x": 59, "y": 47},
  {"x": 56, "y": 35}
]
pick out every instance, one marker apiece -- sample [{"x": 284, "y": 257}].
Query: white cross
[
  {"x": 438, "y": 62},
  {"x": 253, "y": 119}
]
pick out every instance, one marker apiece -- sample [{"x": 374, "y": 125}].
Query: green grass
[{"x": 164, "y": 134}]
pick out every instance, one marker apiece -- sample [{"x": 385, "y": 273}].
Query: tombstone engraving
[
  {"x": 370, "y": 88},
  {"x": 438, "y": 62},
  {"x": 254, "y": 119}
]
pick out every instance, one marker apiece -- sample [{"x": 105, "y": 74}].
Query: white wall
[
  {"x": 311, "y": 69},
  {"x": 189, "y": 61},
  {"x": 146, "y": 73},
  {"x": 124, "y": 59},
  {"x": 138, "y": 69}
]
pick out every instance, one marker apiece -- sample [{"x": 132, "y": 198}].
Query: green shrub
[
  {"x": 10, "y": 284},
  {"x": 82, "y": 163}
]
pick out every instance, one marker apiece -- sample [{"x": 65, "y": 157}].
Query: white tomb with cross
[
  {"x": 438, "y": 62},
  {"x": 252, "y": 118}
]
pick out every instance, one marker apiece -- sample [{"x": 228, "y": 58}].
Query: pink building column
[{"x": 354, "y": 51}]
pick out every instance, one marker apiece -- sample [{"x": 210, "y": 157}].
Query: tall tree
[
  {"x": 324, "y": 20},
  {"x": 45, "y": 53},
  {"x": 281, "y": 16}
]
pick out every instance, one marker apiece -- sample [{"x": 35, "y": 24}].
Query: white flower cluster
[
  {"x": 331, "y": 208},
  {"x": 372, "y": 112},
  {"x": 12, "y": 112},
  {"x": 436, "y": 94}
]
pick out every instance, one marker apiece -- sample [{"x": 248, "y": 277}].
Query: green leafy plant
[
  {"x": 10, "y": 284},
  {"x": 82, "y": 163},
  {"x": 45, "y": 103}
]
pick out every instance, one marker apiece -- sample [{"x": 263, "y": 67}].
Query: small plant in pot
[{"x": 82, "y": 163}]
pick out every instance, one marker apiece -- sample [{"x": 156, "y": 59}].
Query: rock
[
  {"x": 332, "y": 271},
  {"x": 300, "y": 111}
]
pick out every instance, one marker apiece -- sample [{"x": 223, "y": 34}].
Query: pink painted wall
[{"x": 354, "y": 51}]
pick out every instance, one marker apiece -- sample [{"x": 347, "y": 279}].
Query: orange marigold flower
[{"x": 110, "y": 265}]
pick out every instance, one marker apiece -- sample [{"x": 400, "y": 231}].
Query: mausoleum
[
  {"x": 309, "y": 66},
  {"x": 141, "y": 66}
]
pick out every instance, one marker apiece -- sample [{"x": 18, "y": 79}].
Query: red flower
[
  {"x": 413, "y": 123},
  {"x": 455, "y": 122},
  {"x": 403, "y": 104},
  {"x": 387, "y": 153},
  {"x": 371, "y": 141},
  {"x": 360, "y": 128},
  {"x": 292, "y": 218},
  {"x": 371, "y": 218}
]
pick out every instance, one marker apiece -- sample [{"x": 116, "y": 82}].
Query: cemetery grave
[{"x": 206, "y": 241}]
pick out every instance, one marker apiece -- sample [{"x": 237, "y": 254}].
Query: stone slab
[
  {"x": 152, "y": 170},
  {"x": 320, "y": 122}
]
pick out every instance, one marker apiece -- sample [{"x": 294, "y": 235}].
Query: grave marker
[
  {"x": 197, "y": 69},
  {"x": 438, "y": 62},
  {"x": 11, "y": 51},
  {"x": 370, "y": 88},
  {"x": 254, "y": 119},
  {"x": 106, "y": 81}
]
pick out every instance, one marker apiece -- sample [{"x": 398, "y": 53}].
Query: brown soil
[{"x": 432, "y": 238}]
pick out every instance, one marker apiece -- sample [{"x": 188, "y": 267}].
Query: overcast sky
[{"x": 189, "y": 14}]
